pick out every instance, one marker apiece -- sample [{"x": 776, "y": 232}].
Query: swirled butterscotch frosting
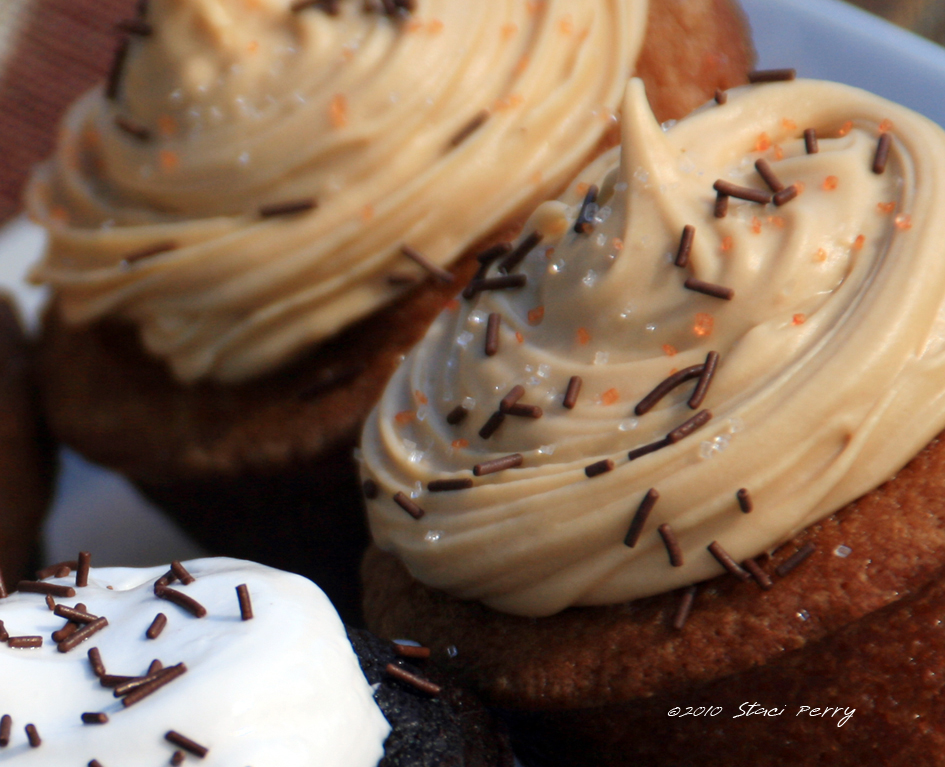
[
  {"x": 246, "y": 183},
  {"x": 718, "y": 336}
]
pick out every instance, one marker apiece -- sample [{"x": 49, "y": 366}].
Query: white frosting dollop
[
  {"x": 831, "y": 373},
  {"x": 283, "y": 689}
]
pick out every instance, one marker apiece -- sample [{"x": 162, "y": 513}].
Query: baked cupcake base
[{"x": 856, "y": 625}]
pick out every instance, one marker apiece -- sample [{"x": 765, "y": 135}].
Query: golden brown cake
[
  {"x": 686, "y": 563},
  {"x": 231, "y": 305}
]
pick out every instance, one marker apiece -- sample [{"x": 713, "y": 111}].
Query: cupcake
[
  {"x": 220, "y": 660},
  {"x": 28, "y": 464},
  {"x": 648, "y": 520},
  {"x": 251, "y": 222}
]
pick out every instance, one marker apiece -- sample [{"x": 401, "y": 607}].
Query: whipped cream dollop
[
  {"x": 283, "y": 689},
  {"x": 830, "y": 335},
  {"x": 426, "y": 130}
]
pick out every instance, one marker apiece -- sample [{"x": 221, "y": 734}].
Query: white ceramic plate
[{"x": 97, "y": 511}]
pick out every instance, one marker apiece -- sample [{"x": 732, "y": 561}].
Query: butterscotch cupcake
[
  {"x": 252, "y": 220},
  {"x": 621, "y": 518}
]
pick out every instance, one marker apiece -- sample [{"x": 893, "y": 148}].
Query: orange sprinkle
[
  {"x": 609, "y": 397},
  {"x": 566, "y": 24},
  {"x": 830, "y": 183},
  {"x": 367, "y": 213},
  {"x": 776, "y": 221},
  {"x": 845, "y": 128},
  {"x": 421, "y": 397},
  {"x": 338, "y": 111},
  {"x": 703, "y": 325},
  {"x": 549, "y": 253},
  {"x": 459, "y": 444},
  {"x": 519, "y": 337},
  {"x": 169, "y": 160},
  {"x": 858, "y": 242},
  {"x": 799, "y": 319},
  {"x": 583, "y": 336},
  {"x": 435, "y": 26},
  {"x": 673, "y": 371},
  {"x": 452, "y": 305},
  {"x": 617, "y": 243},
  {"x": 821, "y": 255},
  {"x": 885, "y": 126},
  {"x": 727, "y": 243},
  {"x": 669, "y": 350},
  {"x": 509, "y": 31},
  {"x": 167, "y": 125},
  {"x": 886, "y": 207},
  {"x": 582, "y": 188},
  {"x": 763, "y": 143},
  {"x": 522, "y": 65},
  {"x": 788, "y": 124},
  {"x": 536, "y": 315},
  {"x": 755, "y": 225},
  {"x": 404, "y": 417},
  {"x": 778, "y": 152},
  {"x": 253, "y": 46},
  {"x": 903, "y": 221}
]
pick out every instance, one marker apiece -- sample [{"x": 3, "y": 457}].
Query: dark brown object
[
  {"x": 66, "y": 631},
  {"x": 94, "y": 718},
  {"x": 598, "y": 468},
  {"x": 25, "y": 642},
  {"x": 457, "y": 415},
  {"x": 810, "y": 141},
  {"x": 652, "y": 447},
  {"x": 795, "y": 559},
  {"x": 639, "y": 518},
  {"x": 721, "y": 205},
  {"x": 154, "y": 667},
  {"x": 32, "y": 735},
  {"x": 585, "y": 219},
  {"x": 721, "y": 96},
  {"x": 136, "y": 130},
  {"x": 771, "y": 75},
  {"x": 95, "y": 659},
  {"x": 705, "y": 378},
  {"x": 50, "y": 602},
  {"x": 744, "y": 500},
  {"x": 761, "y": 577},
  {"x": 181, "y": 573},
  {"x": 492, "y": 334},
  {"x": 471, "y": 127},
  {"x": 328, "y": 6},
  {"x": 741, "y": 192},
  {"x": 684, "y": 607},
  {"x": 289, "y": 208},
  {"x": 414, "y": 680},
  {"x": 448, "y": 485},
  {"x": 513, "y": 259},
  {"x": 407, "y": 504},
  {"x": 76, "y": 638},
  {"x": 178, "y": 757},
  {"x": 524, "y": 411},
  {"x": 181, "y": 599},
  {"x": 74, "y": 614},
  {"x": 572, "y": 392},
  {"x": 665, "y": 386},
  {"x": 685, "y": 246},
  {"x": 709, "y": 289},
  {"x": 768, "y": 175},
  {"x": 498, "y": 464},
  {"x": 514, "y": 395},
  {"x": 246, "y": 603},
  {"x": 41, "y": 587},
  {"x": 186, "y": 743},
  {"x": 491, "y": 426},
  {"x": 785, "y": 195},
  {"x": 882, "y": 153},
  {"x": 672, "y": 545},
  {"x": 421, "y": 260},
  {"x": 686, "y": 428},
  {"x": 725, "y": 559},
  {"x": 137, "y": 27},
  {"x": 6, "y": 725},
  {"x": 51, "y": 570},
  {"x": 502, "y": 282},
  {"x": 4, "y": 634},
  {"x": 117, "y": 70},
  {"x": 166, "y": 676},
  {"x": 82, "y": 573},
  {"x": 411, "y": 651},
  {"x": 370, "y": 488},
  {"x": 95, "y": 763}
]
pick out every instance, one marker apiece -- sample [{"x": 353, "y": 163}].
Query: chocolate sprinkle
[
  {"x": 571, "y": 395},
  {"x": 685, "y": 429},
  {"x": 421, "y": 260},
  {"x": 471, "y": 127},
  {"x": 113, "y": 84},
  {"x": 744, "y": 500},
  {"x": 485, "y": 259},
  {"x": 771, "y": 75},
  {"x": 514, "y": 395},
  {"x": 157, "y": 626},
  {"x": 457, "y": 415},
  {"x": 186, "y": 743},
  {"x": 721, "y": 205},
  {"x": 720, "y": 96},
  {"x": 95, "y": 659},
  {"x": 725, "y": 559},
  {"x": 652, "y": 447},
  {"x": 882, "y": 153},
  {"x": 761, "y": 577},
  {"x": 795, "y": 559},
  {"x": 3, "y": 588},
  {"x": 95, "y": 763},
  {"x": 287, "y": 208},
  {"x": 4, "y": 634},
  {"x": 25, "y": 642},
  {"x": 167, "y": 675},
  {"x": 490, "y": 426},
  {"x": 246, "y": 604},
  {"x": 66, "y": 631},
  {"x": 6, "y": 725},
  {"x": 180, "y": 599},
  {"x": 498, "y": 464},
  {"x": 63, "y": 571},
  {"x": 414, "y": 680},
  {"x": 181, "y": 572},
  {"x": 685, "y": 245},
  {"x": 525, "y": 247},
  {"x": 137, "y": 27},
  {"x": 672, "y": 545},
  {"x": 133, "y": 683},
  {"x": 369, "y": 486},
  {"x": 32, "y": 735},
  {"x": 177, "y": 757},
  {"x": 411, "y": 651},
  {"x": 598, "y": 468},
  {"x": 133, "y": 129},
  {"x": 74, "y": 614},
  {"x": 492, "y": 334},
  {"x": 74, "y": 640},
  {"x": 768, "y": 175},
  {"x": 684, "y": 608},
  {"x": 82, "y": 572},
  {"x": 525, "y": 411},
  {"x": 95, "y": 718},
  {"x": 705, "y": 378},
  {"x": 402, "y": 500},
  {"x": 113, "y": 680},
  {"x": 785, "y": 195},
  {"x": 148, "y": 251},
  {"x": 51, "y": 570},
  {"x": 810, "y": 141},
  {"x": 448, "y": 485},
  {"x": 155, "y": 666},
  {"x": 585, "y": 219},
  {"x": 50, "y": 602},
  {"x": 640, "y": 517},
  {"x": 709, "y": 289},
  {"x": 741, "y": 192},
  {"x": 666, "y": 386},
  {"x": 503, "y": 282},
  {"x": 40, "y": 587}
]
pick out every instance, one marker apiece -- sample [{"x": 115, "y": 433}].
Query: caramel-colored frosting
[
  {"x": 426, "y": 130},
  {"x": 831, "y": 371}
]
